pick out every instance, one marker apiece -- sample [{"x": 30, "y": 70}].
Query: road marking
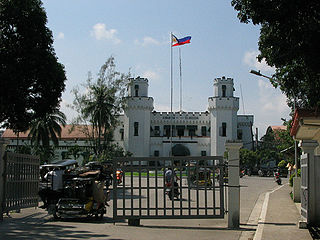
[{"x": 262, "y": 218}]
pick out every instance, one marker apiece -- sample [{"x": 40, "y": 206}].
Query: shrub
[{"x": 292, "y": 176}]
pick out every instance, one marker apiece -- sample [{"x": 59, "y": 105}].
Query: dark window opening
[
  {"x": 224, "y": 90},
  {"x": 157, "y": 131},
  {"x": 136, "y": 129},
  {"x": 122, "y": 134},
  {"x": 156, "y": 153},
  {"x": 204, "y": 131},
  {"x": 166, "y": 130},
  {"x": 136, "y": 88},
  {"x": 240, "y": 134},
  {"x": 203, "y": 153},
  {"x": 224, "y": 129}
]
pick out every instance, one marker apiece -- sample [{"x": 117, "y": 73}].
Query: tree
[
  {"x": 47, "y": 128},
  {"x": 248, "y": 158},
  {"x": 100, "y": 105},
  {"x": 289, "y": 41},
  {"x": 32, "y": 79}
]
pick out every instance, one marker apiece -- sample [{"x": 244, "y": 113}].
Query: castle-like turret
[
  {"x": 137, "y": 118},
  {"x": 223, "y": 108}
]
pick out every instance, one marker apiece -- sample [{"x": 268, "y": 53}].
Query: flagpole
[
  {"x": 171, "y": 95},
  {"x": 180, "y": 80}
]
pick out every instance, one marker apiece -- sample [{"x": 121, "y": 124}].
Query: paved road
[{"x": 39, "y": 225}]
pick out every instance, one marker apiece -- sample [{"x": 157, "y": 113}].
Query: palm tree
[
  {"x": 100, "y": 108},
  {"x": 47, "y": 128}
]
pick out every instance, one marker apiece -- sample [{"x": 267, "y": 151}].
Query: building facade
[{"x": 147, "y": 133}]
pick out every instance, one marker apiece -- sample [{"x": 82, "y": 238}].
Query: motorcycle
[
  {"x": 242, "y": 173},
  {"x": 277, "y": 178},
  {"x": 172, "y": 191},
  {"x": 119, "y": 175}
]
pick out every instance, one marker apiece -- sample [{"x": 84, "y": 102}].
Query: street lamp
[{"x": 258, "y": 73}]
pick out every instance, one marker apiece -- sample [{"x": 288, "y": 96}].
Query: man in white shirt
[{"x": 55, "y": 177}]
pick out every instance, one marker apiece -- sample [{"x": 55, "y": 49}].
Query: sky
[{"x": 137, "y": 33}]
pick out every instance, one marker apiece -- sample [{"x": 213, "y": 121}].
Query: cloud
[
  {"x": 60, "y": 35},
  {"x": 147, "y": 41},
  {"x": 250, "y": 59},
  {"x": 100, "y": 32},
  {"x": 271, "y": 99},
  {"x": 151, "y": 75}
]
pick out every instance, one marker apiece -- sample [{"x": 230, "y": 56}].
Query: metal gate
[
  {"x": 304, "y": 186},
  {"x": 21, "y": 181},
  {"x": 142, "y": 193}
]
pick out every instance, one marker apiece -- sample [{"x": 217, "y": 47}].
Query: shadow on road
[{"x": 46, "y": 228}]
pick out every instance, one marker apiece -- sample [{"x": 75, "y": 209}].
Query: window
[
  {"x": 156, "y": 153},
  {"x": 166, "y": 130},
  {"x": 136, "y": 129},
  {"x": 192, "y": 130},
  {"x": 224, "y": 90},
  {"x": 224, "y": 129},
  {"x": 157, "y": 131},
  {"x": 180, "y": 130},
  {"x": 136, "y": 89},
  {"x": 122, "y": 133},
  {"x": 204, "y": 131},
  {"x": 239, "y": 134},
  {"x": 203, "y": 153}
]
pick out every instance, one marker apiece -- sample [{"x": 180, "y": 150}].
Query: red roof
[
  {"x": 67, "y": 132},
  {"x": 279, "y": 128}
]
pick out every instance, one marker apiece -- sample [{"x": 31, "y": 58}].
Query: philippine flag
[{"x": 181, "y": 41}]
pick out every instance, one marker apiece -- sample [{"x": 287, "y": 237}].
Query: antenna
[{"x": 242, "y": 100}]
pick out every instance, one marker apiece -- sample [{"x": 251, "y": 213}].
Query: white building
[{"x": 146, "y": 132}]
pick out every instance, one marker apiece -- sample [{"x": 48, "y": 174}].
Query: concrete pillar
[
  {"x": 233, "y": 148},
  {"x": 308, "y": 147},
  {"x": 3, "y": 145}
]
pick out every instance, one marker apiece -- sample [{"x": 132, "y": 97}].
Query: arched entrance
[{"x": 180, "y": 150}]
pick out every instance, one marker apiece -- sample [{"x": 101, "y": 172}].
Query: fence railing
[
  {"x": 143, "y": 191},
  {"x": 21, "y": 181}
]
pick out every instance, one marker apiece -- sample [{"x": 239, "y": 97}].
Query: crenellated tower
[
  {"x": 223, "y": 108},
  {"x": 137, "y": 118}
]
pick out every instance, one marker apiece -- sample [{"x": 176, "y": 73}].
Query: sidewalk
[
  {"x": 282, "y": 217},
  {"x": 280, "y": 221}
]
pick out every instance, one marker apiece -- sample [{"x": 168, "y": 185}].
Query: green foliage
[
  {"x": 99, "y": 107},
  {"x": 289, "y": 35},
  {"x": 46, "y": 128},
  {"x": 248, "y": 158},
  {"x": 32, "y": 79},
  {"x": 292, "y": 176},
  {"x": 274, "y": 144},
  {"x": 282, "y": 163}
]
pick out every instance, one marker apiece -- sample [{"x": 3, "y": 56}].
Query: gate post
[
  {"x": 309, "y": 201},
  {"x": 3, "y": 145},
  {"x": 233, "y": 148}
]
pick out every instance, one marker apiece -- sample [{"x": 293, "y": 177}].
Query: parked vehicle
[
  {"x": 201, "y": 177},
  {"x": 79, "y": 199}
]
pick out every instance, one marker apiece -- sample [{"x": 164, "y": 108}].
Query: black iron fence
[
  {"x": 144, "y": 194},
  {"x": 20, "y": 181}
]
